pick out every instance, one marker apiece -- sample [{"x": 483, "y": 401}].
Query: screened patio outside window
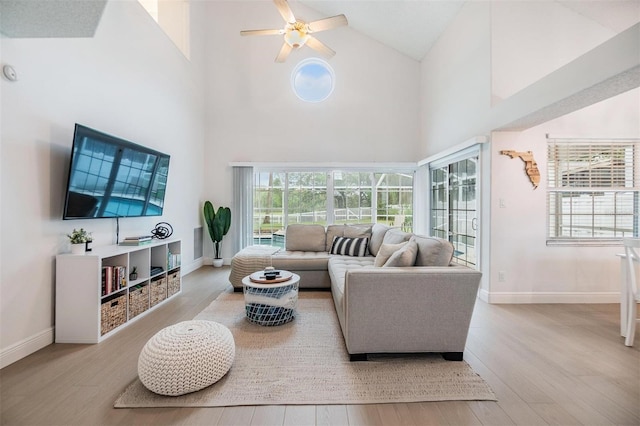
[{"x": 283, "y": 197}]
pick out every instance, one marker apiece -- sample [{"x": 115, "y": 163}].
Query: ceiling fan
[{"x": 298, "y": 33}]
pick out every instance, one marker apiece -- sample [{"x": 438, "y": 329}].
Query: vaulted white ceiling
[
  {"x": 409, "y": 26},
  {"x": 413, "y": 26}
]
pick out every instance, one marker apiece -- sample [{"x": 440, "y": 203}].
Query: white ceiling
[
  {"x": 409, "y": 26},
  {"x": 413, "y": 26}
]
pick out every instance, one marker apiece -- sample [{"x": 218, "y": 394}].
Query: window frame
[
  {"x": 373, "y": 169},
  {"x": 605, "y": 186}
]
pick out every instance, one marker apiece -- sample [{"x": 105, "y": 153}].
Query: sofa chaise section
[{"x": 406, "y": 310}]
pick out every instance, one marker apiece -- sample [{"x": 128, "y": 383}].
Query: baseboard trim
[
  {"x": 26, "y": 347},
  {"x": 209, "y": 261},
  {"x": 549, "y": 297},
  {"x": 483, "y": 295},
  {"x": 186, "y": 269}
]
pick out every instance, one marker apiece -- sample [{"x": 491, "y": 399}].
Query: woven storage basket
[
  {"x": 271, "y": 306},
  {"x": 113, "y": 313},
  {"x": 158, "y": 290},
  {"x": 173, "y": 286},
  {"x": 138, "y": 300}
]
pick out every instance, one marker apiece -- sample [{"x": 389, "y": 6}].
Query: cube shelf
[{"x": 96, "y": 295}]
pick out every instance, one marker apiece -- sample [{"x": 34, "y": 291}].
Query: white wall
[
  {"x": 531, "y": 39},
  {"x": 533, "y": 271},
  {"x": 456, "y": 82},
  {"x": 495, "y": 50},
  {"x": 254, "y": 115},
  {"x": 130, "y": 81},
  {"x": 464, "y": 79}
]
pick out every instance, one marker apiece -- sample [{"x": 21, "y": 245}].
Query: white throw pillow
[
  {"x": 385, "y": 251},
  {"x": 406, "y": 256}
]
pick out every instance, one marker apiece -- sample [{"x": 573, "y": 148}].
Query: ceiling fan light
[{"x": 296, "y": 38}]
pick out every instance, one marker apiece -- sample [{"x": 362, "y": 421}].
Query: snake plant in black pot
[{"x": 218, "y": 224}]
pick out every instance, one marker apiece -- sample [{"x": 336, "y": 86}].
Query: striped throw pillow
[{"x": 349, "y": 246}]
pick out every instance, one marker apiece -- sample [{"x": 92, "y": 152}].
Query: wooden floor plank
[
  {"x": 427, "y": 414},
  {"x": 268, "y": 415},
  {"x": 554, "y": 414},
  {"x": 364, "y": 415},
  {"x": 458, "y": 413},
  {"x": 547, "y": 364},
  {"x": 490, "y": 413},
  {"x": 300, "y": 415},
  {"x": 331, "y": 415},
  {"x": 237, "y": 416}
]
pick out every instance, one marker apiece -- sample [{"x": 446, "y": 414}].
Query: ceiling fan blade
[
  {"x": 261, "y": 32},
  {"x": 284, "y": 52},
  {"x": 328, "y": 23},
  {"x": 316, "y": 44},
  {"x": 285, "y": 11}
]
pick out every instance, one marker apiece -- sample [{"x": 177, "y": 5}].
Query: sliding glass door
[{"x": 454, "y": 207}]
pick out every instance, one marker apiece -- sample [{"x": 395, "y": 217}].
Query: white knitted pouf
[{"x": 186, "y": 357}]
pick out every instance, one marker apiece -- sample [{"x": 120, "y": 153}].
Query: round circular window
[{"x": 313, "y": 80}]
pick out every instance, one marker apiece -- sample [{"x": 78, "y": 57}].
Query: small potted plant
[
  {"x": 218, "y": 224},
  {"x": 134, "y": 274},
  {"x": 79, "y": 239}
]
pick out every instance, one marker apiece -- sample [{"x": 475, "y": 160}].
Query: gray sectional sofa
[{"x": 401, "y": 295}]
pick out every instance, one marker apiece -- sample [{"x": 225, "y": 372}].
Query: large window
[
  {"x": 325, "y": 197},
  {"x": 594, "y": 186}
]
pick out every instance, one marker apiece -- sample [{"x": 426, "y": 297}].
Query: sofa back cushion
[
  {"x": 358, "y": 230},
  {"x": 305, "y": 238},
  {"x": 377, "y": 235},
  {"x": 433, "y": 251},
  {"x": 396, "y": 236},
  {"x": 333, "y": 231}
]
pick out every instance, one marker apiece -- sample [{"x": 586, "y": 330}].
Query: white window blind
[{"x": 593, "y": 192}]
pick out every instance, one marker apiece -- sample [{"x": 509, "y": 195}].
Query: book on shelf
[
  {"x": 173, "y": 260},
  {"x": 135, "y": 242},
  {"x": 139, "y": 238},
  {"x": 114, "y": 278}
]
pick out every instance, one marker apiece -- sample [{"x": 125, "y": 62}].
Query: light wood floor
[{"x": 548, "y": 364}]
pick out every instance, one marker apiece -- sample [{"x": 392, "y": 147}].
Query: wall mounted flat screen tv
[{"x": 112, "y": 177}]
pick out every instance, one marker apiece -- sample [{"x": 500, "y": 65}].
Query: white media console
[{"x": 95, "y": 296}]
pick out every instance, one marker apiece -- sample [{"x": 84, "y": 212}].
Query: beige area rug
[{"x": 305, "y": 362}]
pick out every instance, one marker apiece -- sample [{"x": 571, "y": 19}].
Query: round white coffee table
[{"x": 268, "y": 303}]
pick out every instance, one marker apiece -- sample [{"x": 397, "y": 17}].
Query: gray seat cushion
[
  {"x": 300, "y": 260},
  {"x": 338, "y": 267}
]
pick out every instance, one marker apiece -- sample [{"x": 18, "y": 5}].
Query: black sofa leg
[
  {"x": 357, "y": 357},
  {"x": 452, "y": 356}
]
